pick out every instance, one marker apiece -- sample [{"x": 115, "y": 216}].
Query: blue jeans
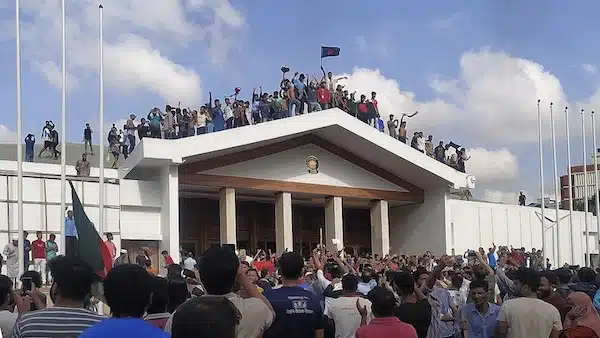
[
  {"x": 210, "y": 127},
  {"x": 131, "y": 142},
  {"x": 291, "y": 103}
]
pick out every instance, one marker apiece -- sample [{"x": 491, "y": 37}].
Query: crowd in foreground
[{"x": 501, "y": 293}]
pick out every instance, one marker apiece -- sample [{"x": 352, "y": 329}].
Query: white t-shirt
[
  {"x": 345, "y": 315},
  {"x": 189, "y": 263},
  {"x": 256, "y": 316},
  {"x": 227, "y": 112},
  {"x": 421, "y": 143},
  {"x": 7, "y": 322},
  {"x": 529, "y": 317}
]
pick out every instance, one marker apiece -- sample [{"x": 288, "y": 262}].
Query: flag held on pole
[
  {"x": 90, "y": 246},
  {"x": 329, "y": 51}
]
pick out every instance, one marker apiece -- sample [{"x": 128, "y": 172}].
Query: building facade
[
  {"x": 289, "y": 185},
  {"x": 578, "y": 184}
]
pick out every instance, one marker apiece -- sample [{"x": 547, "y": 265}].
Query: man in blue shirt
[
  {"x": 492, "y": 256},
  {"x": 127, "y": 289},
  {"x": 479, "y": 319},
  {"x": 70, "y": 235},
  {"x": 298, "y": 311},
  {"x": 29, "y": 144}
]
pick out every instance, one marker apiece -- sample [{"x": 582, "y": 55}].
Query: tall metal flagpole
[
  {"x": 541, "y": 158},
  {"x": 101, "y": 76},
  {"x": 571, "y": 231},
  {"x": 63, "y": 132},
  {"x": 595, "y": 170},
  {"x": 585, "y": 191},
  {"x": 555, "y": 230},
  {"x": 21, "y": 253}
]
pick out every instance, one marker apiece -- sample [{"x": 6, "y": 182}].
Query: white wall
[
  {"x": 479, "y": 224},
  {"x": 417, "y": 228},
  {"x": 443, "y": 225},
  {"x": 290, "y": 166},
  {"x": 132, "y": 208}
]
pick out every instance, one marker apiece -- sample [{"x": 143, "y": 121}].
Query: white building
[{"x": 279, "y": 184}]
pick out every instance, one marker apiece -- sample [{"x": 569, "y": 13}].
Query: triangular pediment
[{"x": 308, "y": 164}]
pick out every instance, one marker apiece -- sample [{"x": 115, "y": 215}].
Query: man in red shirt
[
  {"x": 323, "y": 96},
  {"x": 38, "y": 253},
  {"x": 385, "y": 324},
  {"x": 111, "y": 246}
]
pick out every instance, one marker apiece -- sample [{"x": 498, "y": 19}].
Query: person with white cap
[
  {"x": 12, "y": 259},
  {"x": 123, "y": 258}
]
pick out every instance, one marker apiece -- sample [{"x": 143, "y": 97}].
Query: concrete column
[
  {"x": 169, "y": 213},
  {"x": 334, "y": 222},
  {"x": 227, "y": 216},
  {"x": 283, "y": 222},
  {"x": 380, "y": 228}
]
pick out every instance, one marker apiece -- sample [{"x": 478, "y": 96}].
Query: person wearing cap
[
  {"x": 123, "y": 258},
  {"x": 12, "y": 259}
]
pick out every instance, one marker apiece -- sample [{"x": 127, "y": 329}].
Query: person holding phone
[{"x": 31, "y": 282}]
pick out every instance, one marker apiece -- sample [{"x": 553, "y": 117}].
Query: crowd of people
[
  {"x": 296, "y": 95},
  {"x": 504, "y": 292}
]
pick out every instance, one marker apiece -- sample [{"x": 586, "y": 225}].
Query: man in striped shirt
[{"x": 73, "y": 279}]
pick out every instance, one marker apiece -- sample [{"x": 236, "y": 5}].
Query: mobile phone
[{"x": 27, "y": 284}]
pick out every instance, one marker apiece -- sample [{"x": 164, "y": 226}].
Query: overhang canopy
[{"x": 333, "y": 130}]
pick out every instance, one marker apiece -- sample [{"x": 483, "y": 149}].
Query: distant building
[{"x": 578, "y": 182}]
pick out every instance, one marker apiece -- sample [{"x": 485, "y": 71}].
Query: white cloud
[
  {"x": 492, "y": 165},
  {"x": 53, "y": 74},
  {"x": 493, "y": 93},
  {"x": 7, "y": 135},
  {"x": 590, "y": 69},
  {"x": 498, "y": 196},
  {"x": 141, "y": 39}
]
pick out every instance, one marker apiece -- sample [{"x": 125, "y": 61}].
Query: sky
[{"x": 473, "y": 69}]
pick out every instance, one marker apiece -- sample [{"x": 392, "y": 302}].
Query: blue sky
[{"x": 492, "y": 59}]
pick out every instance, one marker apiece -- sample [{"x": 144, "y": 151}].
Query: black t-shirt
[
  {"x": 87, "y": 134},
  {"x": 416, "y": 314}
]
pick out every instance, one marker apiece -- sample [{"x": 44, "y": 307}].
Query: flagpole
[
  {"x": 595, "y": 170},
  {"x": 555, "y": 230},
  {"x": 585, "y": 190},
  {"x": 541, "y": 159},
  {"x": 101, "y": 76},
  {"x": 63, "y": 132},
  {"x": 20, "y": 251},
  {"x": 572, "y": 233}
]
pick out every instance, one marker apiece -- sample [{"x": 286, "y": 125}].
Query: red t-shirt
[
  {"x": 362, "y": 107},
  {"x": 374, "y": 102},
  {"x": 169, "y": 260},
  {"x": 38, "y": 249},
  {"x": 112, "y": 249},
  {"x": 386, "y": 327},
  {"x": 323, "y": 95}
]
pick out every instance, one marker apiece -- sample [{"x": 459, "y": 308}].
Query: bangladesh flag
[
  {"x": 90, "y": 246},
  {"x": 329, "y": 51}
]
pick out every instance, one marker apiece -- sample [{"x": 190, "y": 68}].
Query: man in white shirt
[
  {"x": 528, "y": 316},
  {"x": 420, "y": 142},
  {"x": 219, "y": 269},
  {"x": 189, "y": 263},
  {"x": 343, "y": 310},
  {"x": 228, "y": 114}
]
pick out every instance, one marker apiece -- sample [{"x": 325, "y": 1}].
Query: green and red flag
[
  {"x": 90, "y": 246},
  {"x": 327, "y": 51}
]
